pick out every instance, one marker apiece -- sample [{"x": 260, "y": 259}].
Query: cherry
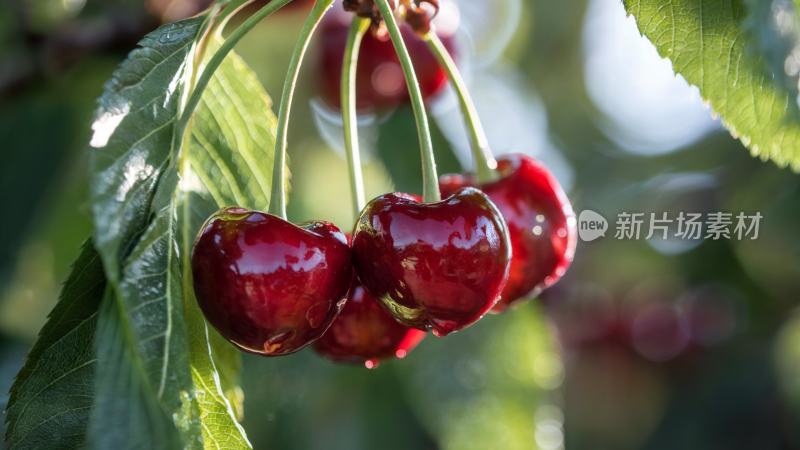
[
  {"x": 438, "y": 266},
  {"x": 365, "y": 333},
  {"x": 380, "y": 83},
  {"x": 267, "y": 285},
  {"x": 659, "y": 332},
  {"x": 540, "y": 219}
]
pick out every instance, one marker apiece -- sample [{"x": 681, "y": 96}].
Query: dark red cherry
[
  {"x": 540, "y": 220},
  {"x": 365, "y": 333},
  {"x": 380, "y": 83},
  {"x": 267, "y": 285},
  {"x": 438, "y": 266}
]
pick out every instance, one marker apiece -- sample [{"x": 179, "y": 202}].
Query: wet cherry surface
[
  {"x": 380, "y": 83},
  {"x": 366, "y": 333},
  {"x": 438, "y": 266},
  {"x": 267, "y": 285},
  {"x": 540, "y": 220}
]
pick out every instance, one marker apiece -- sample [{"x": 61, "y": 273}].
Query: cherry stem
[
  {"x": 278, "y": 199},
  {"x": 430, "y": 182},
  {"x": 349, "y": 113},
  {"x": 219, "y": 56},
  {"x": 485, "y": 163}
]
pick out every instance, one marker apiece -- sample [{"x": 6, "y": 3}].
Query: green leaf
[
  {"x": 228, "y": 362},
  {"x": 174, "y": 366},
  {"x": 707, "y": 44},
  {"x": 52, "y": 395},
  {"x": 126, "y": 412},
  {"x": 133, "y": 134}
]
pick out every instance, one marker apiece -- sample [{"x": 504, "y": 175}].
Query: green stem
[
  {"x": 219, "y": 57},
  {"x": 230, "y": 11},
  {"x": 349, "y": 116},
  {"x": 430, "y": 182},
  {"x": 278, "y": 199},
  {"x": 484, "y": 160}
]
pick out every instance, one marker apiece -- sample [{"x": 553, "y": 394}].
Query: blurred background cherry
[{"x": 380, "y": 83}]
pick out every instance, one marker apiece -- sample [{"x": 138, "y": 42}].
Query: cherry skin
[
  {"x": 267, "y": 285},
  {"x": 380, "y": 84},
  {"x": 365, "y": 333},
  {"x": 540, "y": 220},
  {"x": 438, "y": 266}
]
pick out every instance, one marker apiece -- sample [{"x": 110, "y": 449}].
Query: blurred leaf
[
  {"x": 483, "y": 388},
  {"x": 774, "y": 30},
  {"x": 44, "y": 179},
  {"x": 772, "y": 260},
  {"x": 142, "y": 182},
  {"x": 21, "y": 122},
  {"x": 706, "y": 43},
  {"x": 347, "y": 406},
  {"x": 787, "y": 359},
  {"x": 52, "y": 394},
  {"x": 45, "y": 15}
]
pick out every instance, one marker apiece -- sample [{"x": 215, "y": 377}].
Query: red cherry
[
  {"x": 540, "y": 220},
  {"x": 365, "y": 333},
  {"x": 379, "y": 79},
  {"x": 438, "y": 266},
  {"x": 267, "y": 285}
]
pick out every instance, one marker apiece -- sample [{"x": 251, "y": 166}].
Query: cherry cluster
[{"x": 272, "y": 287}]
